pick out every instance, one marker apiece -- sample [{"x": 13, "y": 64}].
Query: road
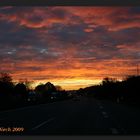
[{"x": 84, "y": 117}]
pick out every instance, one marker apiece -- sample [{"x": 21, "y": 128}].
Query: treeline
[
  {"x": 125, "y": 91},
  {"x": 15, "y": 95}
]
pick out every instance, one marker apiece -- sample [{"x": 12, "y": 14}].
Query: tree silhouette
[
  {"x": 5, "y": 77},
  {"x": 45, "y": 91},
  {"x": 6, "y": 88},
  {"x": 20, "y": 91},
  {"x": 58, "y": 88},
  {"x": 125, "y": 91},
  {"x": 49, "y": 87},
  {"x": 26, "y": 82},
  {"x": 40, "y": 90}
]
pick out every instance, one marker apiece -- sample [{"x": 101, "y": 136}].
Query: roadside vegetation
[
  {"x": 126, "y": 91},
  {"x": 15, "y": 95}
]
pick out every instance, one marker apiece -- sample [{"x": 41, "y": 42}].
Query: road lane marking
[
  {"x": 105, "y": 116},
  {"x": 101, "y": 107},
  {"x": 114, "y": 131},
  {"x": 23, "y": 108},
  {"x": 104, "y": 113},
  {"x": 19, "y": 109},
  {"x": 120, "y": 128},
  {"x": 43, "y": 123}
]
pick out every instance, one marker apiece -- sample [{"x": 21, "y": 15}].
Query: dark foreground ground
[{"x": 84, "y": 116}]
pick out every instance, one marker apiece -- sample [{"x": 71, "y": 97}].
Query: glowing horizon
[{"x": 69, "y": 84}]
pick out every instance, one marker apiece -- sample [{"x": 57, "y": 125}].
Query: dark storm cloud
[
  {"x": 14, "y": 36},
  {"x": 71, "y": 34},
  {"x": 134, "y": 10}
]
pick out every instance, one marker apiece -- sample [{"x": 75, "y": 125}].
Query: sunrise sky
[{"x": 69, "y": 46}]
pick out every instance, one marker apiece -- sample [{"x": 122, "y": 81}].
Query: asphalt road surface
[{"x": 83, "y": 117}]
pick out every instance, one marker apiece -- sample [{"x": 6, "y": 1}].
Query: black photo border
[
  {"x": 125, "y": 3},
  {"x": 69, "y": 2}
]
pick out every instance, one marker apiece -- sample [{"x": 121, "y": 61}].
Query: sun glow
[{"x": 70, "y": 84}]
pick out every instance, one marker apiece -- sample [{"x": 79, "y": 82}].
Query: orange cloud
[
  {"x": 129, "y": 48},
  {"x": 88, "y": 30},
  {"x": 70, "y": 46},
  {"x": 92, "y": 73}
]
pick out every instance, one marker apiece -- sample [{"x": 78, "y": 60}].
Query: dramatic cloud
[{"x": 70, "y": 46}]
